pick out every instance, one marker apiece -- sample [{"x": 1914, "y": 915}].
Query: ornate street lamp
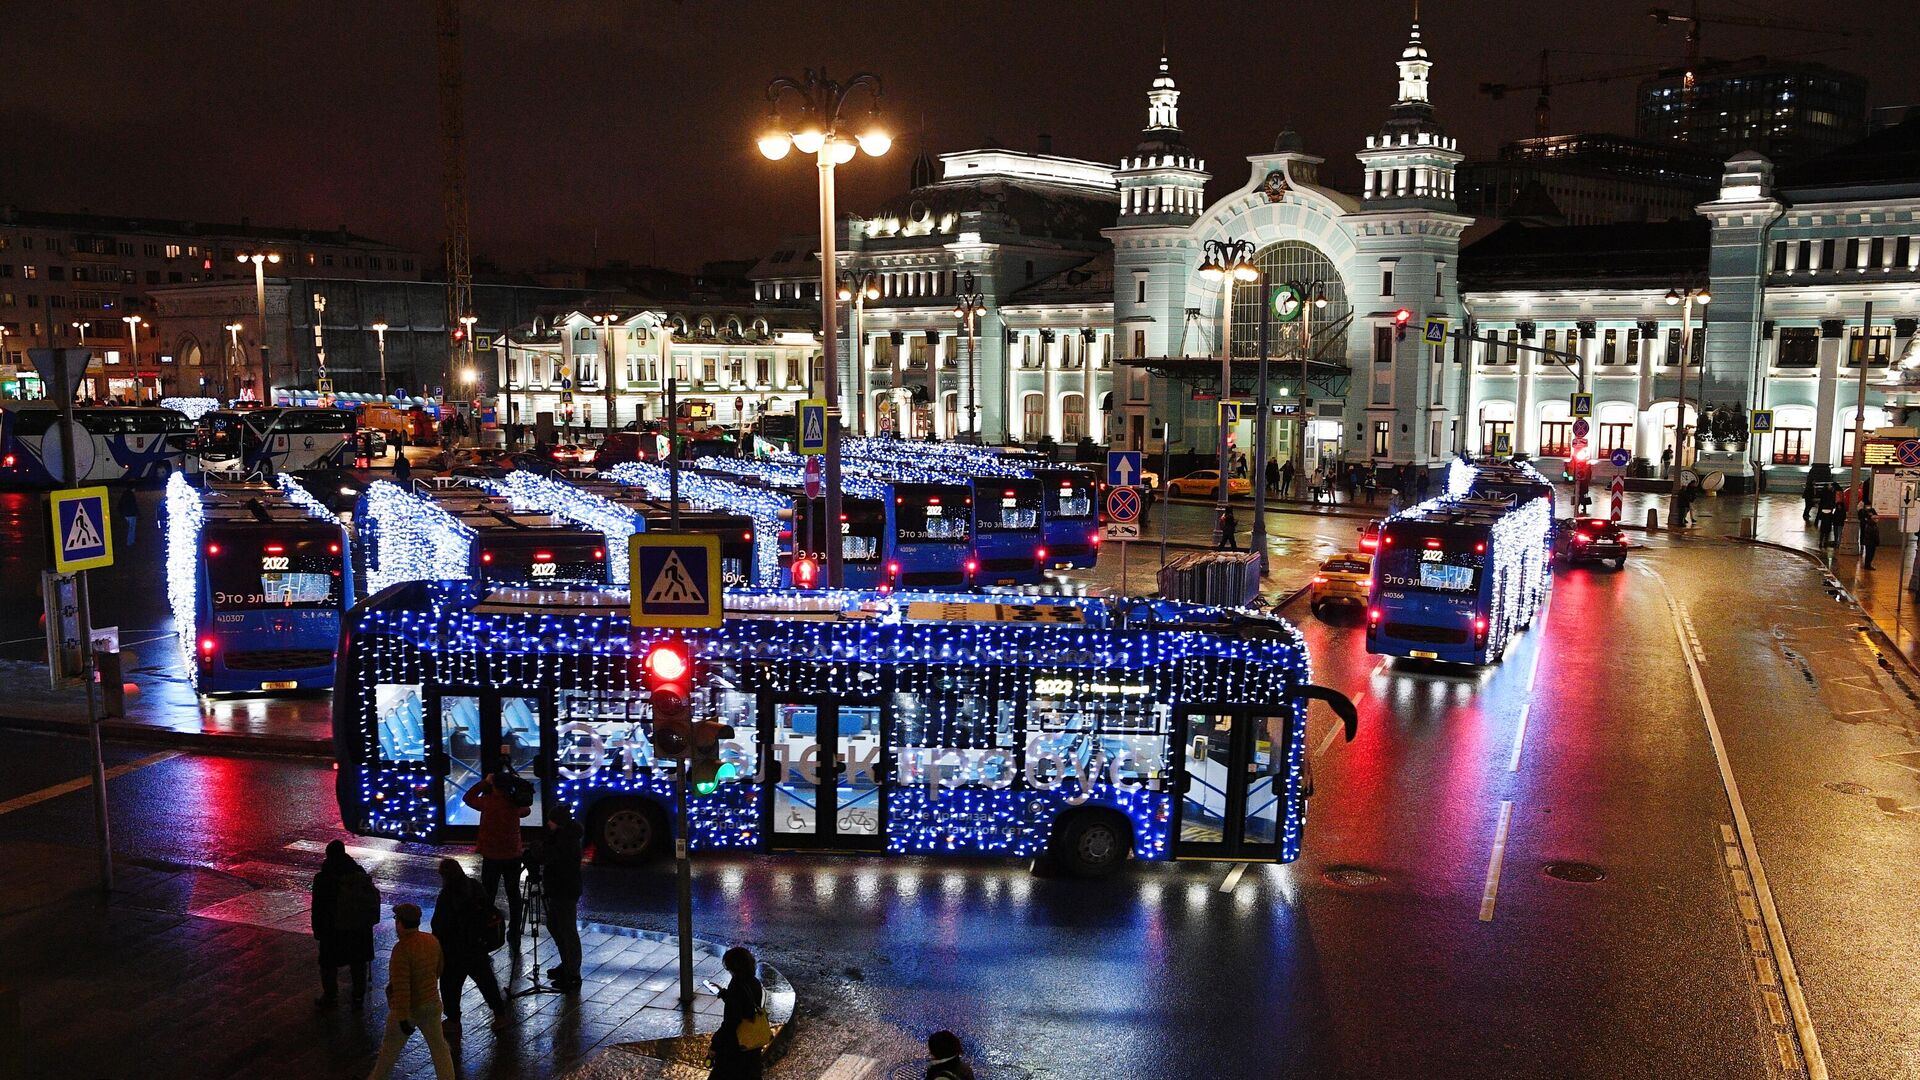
[
  {"x": 971, "y": 310},
  {"x": 1227, "y": 261}
]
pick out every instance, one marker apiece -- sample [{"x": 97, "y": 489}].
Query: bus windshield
[
  {"x": 1435, "y": 570},
  {"x": 1072, "y": 496},
  {"x": 248, "y": 572},
  {"x": 1007, "y": 505},
  {"x": 934, "y": 519}
]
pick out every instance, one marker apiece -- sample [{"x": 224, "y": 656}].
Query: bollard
[
  {"x": 1653, "y": 520},
  {"x": 113, "y": 692},
  {"x": 1749, "y": 529}
]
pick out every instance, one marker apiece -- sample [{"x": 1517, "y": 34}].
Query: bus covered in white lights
[
  {"x": 1084, "y": 731},
  {"x": 1457, "y": 578}
]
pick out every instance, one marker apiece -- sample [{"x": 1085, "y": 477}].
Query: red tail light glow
[
  {"x": 213, "y": 549},
  {"x": 1094, "y": 539},
  {"x": 599, "y": 553},
  {"x": 973, "y": 566},
  {"x": 543, "y": 556},
  {"x": 206, "y": 646},
  {"x": 1369, "y": 543},
  {"x": 7, "y": 461},
  {"x": 1040, "y": 554},
  {"x": 1480, "y": 548},
  {"x": 1433, "y": 543},
  {"x": 333, "y": 549},
  {"x": 1373, "y": 615},
  {"x": 486, "y": 556},
  {"x": 276, "y": 549},
  {"x": 1582, "y": 538},
  {"x": 893, "y": 570}
]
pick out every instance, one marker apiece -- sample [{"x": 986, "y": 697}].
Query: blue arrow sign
[
  {"x": 1620, "y": 457},
  {"x": 1123, "y": 468}
]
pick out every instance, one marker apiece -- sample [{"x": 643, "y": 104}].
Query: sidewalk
[{"x": 197, "y": 973}]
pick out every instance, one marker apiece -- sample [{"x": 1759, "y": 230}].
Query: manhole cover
[
  {"x": 1353, "y": 877},
  {"x": 1579, "y": 872},
  {"x": 1848, "y": 787}
]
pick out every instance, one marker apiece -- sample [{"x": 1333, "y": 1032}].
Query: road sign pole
[
  {"x": 1123, "y": 568},
  {"x": 70, "y": 478},
  {"x": 673, "y": 455},
  {"x": 683, "y": 883}
]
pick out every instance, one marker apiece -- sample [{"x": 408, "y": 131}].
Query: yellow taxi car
[
  {"x": 1342, "y": 579},
  {"x": 1206, "y": 484}
]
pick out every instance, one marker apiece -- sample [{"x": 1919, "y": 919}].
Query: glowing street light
[
  {"x": 1227, "y": 261},
  {"x": 1684, "y": 299},
  {"x": 260, "y": 259}
]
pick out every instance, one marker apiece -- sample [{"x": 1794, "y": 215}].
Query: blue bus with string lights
[
  {"x": 1457, "y": 578},
  {"x": 1082, "y": 731},
  {"x": 454, "y": 529},
  {"x": 258, "y": 579},
  {"x": 1070, "y": 517}
]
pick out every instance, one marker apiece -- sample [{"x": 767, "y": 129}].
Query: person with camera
[
  {"x": 502, "y": 800},
  {"x": 560, "y": 881}
]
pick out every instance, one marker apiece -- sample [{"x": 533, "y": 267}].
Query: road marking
[
  {"x": 1377, "y": 669},
  {"x": 1750, "y": 852},
  {"x": 83, "y": 783},
  {"x": 1233, "y": 878},
  {"x": 1493, "y": 865},
  {"x": 850, "y": 1067},
  {"x": 1332, "y": 734},
  {"x": 1534, "y": 671},
  {"x": 1519, "y": 737}
]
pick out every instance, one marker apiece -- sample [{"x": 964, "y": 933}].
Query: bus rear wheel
[
  {"x": 627, "y": 832},
  {"x": 1092, "y": 844}
]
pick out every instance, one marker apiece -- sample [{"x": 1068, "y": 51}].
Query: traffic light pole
[{"x": 683, "y": 883}]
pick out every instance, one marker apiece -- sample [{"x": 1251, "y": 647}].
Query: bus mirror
[{"x": 1341, "y": 705}]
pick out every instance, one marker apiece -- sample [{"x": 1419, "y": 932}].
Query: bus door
[
  {"x": 1232, "y": 782},
  {"x": 471, "y": 733},
  {"x": 825, "y": 758}
]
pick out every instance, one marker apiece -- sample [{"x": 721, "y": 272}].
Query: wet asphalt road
[{"x": 1378, "y": 953}]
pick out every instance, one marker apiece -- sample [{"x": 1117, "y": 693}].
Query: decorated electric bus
[
  {"x": 258, "y": 576},
  {"x": 454, "y": 530},
  {"x": 1084, "y": 731},
  {"x": 1457, "y": 578},
  {"x": 260, "y": 442},
  {"x": 137, "y": 445}
]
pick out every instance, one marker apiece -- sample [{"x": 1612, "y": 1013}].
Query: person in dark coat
[
  {"x": 1869, "y": 533},
  {"x": 345, "y": 936},
  {"x": 1286, "y": 479},
  {"x": 457, "y": 915},
  {"x": 741, "y": 998},
  {"x": 1809, "y": 494},
  {"x": 943, "y": 1058},
  {"x": 1229, "y": 528},
  {"x": 1423, "y": 483},
  {"x": 127, "y": 505},
  {"x": 402, "y": 468},
  {"x": 560, "y": 878}
]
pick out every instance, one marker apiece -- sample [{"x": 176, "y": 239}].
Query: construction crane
[
  {"x": 1694, "y": 21},
  {"x": 1543, "y": 105},
  {"x": 453, "y": 176}
]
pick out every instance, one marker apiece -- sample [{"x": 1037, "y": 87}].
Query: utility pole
[
  {"x": 1257, "y": 540},
  {"x": 1849, "y": 534}
]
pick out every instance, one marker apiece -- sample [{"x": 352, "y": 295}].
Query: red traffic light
[
  {"x": 460, "y": 333},
  {"x": 667, "y": 662},
  {"x": 1402, "y": 317}
]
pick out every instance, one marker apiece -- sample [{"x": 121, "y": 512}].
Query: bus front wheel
[
  {"x": 627, "y": 832},
  {"x": 1092, "y": 843}
]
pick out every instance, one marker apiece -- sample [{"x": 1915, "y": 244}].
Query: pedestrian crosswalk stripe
[{"x": 84, "y": 782}]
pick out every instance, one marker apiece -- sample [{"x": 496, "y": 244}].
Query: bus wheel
[
  {"x": 627, "y": 832},
  {"x": 1092, "y": 843}
]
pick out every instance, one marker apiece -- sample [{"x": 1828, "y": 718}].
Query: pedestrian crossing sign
[
  {"x": 675, "y": 579},
  {"x": 1762, "y": 421},
  {"x": 813, "y": 427},
  {"x": 1436, "y": 331},
  {"x": 81, "y": 540},
  {"x": 1582, "y": 404}
]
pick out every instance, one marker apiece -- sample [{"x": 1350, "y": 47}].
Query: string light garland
[
  {"x": 408, "y": 538},
  {"x": 980, "y": 734},
  {"x": 764, "y": 506}
]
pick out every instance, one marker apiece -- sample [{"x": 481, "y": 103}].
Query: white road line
[
  {"x": 1534, "y": 671},
  {"x": 1519, "y": 737},
  {"x": 1233, "y": 877},
  {"x": 850, "y": 1067},
  {"x": 1377, "y": 669},
  {"x": 83, "y": 783},
  {"x": 1332, "y": 734},
  {"x": 1770, "y": 914},
  {"x": 1493, "y": 866}
]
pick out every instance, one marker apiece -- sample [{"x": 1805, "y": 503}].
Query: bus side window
[{"x": 400, "y": 719}]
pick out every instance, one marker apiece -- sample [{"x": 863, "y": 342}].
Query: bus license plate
[
  {"x": 1422, "y": 654},
  {"x": 288, "y": 685}
]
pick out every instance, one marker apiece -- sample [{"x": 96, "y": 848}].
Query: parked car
[
  {"x": 1206, "y": 484},
  {"x": 1591, "y": 539},
  {"x": 1342, "y": 579},
  {"x": 1370, "y": 537}
]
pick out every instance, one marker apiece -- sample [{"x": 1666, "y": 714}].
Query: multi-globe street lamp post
[
  {"x": 1227, "y": 261},
  {"x": 817, "y": 132},
  {"x": 260, "y": 259},
  {"x": 971, "y": 310},
  {"x": 1684, "y": 299},
  {"x": 469, "y": 377},
  {"x": 605, "y": 321},
  {"x": 857, "y": 295},
  {"x": 134, "y": 323},
  {"x": 236, "y": 359},
  {"x": 380, "y": 329}
]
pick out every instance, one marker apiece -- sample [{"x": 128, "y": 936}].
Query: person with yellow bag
[{"x": 735, "y": 1053}]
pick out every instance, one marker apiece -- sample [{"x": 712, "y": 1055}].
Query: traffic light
[
  {"x": 459, "y": 333},
  {"x": 705, "y": 771},
  {"x": 667, "y": 672},
  {"x": 806, "y": 573},
  {"x": 1400, "y": 320}
]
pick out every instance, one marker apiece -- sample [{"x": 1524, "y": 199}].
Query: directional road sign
[
  {"x": 1123, "y": 505},
  {"x": 1123, "y": 468},
  {"x": 1117, "y": 530},
  {"x": 1436, "y": 331},
  {"x": 675, "y": 579},
  {"x": 813, "y": 427},
  {"x": 80, "y": 537},
  {"x": 1583, "y": 404},
  {"x": 1762, "y": 421},
  {"x": 1620, "y": 457}
]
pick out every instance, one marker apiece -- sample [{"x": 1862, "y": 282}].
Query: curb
[
  {"x": 199, "y": 742},
  {"x": 1880, "y": 637},
  {"x": 1279, "y": 508}
]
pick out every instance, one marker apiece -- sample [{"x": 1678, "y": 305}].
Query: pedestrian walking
[
  {"x": 943, "y": 1058},
  {"x": 1809, "y": 494},
  {"x": 345, "y": 907},
  {"x": 402, "y": 468},
  {"x": 1287, "y": 472},
  {"x": 127, "y": 505},
  {"x": 743, "y": 1002},
  {"x": 413, "y": 997},
  {"x": 1229, "y": 527},
  {"x": 560, "y": 879},
  {"x": 1423, "y": 483},
  {"x": 1275, "y": 476},
  {"x": 1666, "y": 462},
  {"x": 463, "y": 923},
  {"x": 1869, "y": 533},
  {"x": 499, "y": 845},
  {"x": 1372, "y": 484}
]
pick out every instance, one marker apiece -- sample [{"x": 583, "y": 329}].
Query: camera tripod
[{"x": 536, "y": 909}]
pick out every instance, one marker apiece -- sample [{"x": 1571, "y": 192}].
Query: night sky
[{"x": 626, "y": 129}]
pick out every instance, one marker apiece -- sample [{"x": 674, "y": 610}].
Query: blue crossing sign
[
  {"x": 1123, "y": 468},
  {"x": 81, "y": 540},
  {"x": 813, "y": 427},
  {"x": 674, "y": 579}
]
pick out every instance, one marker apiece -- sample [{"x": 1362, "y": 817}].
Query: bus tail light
[
  {"x": 1040, "y": 554},
  {"x": 1373, "y": 621},
  {"x": 333, "y": 549},
  {"x": 1479, "y": 631},
  {"x": 207, "y": 645},
  {"x": 893, "y": 571},
  {"x": 1094, "y": 539},
  {"x": 600, "y": 553},
  {"x": 213, "y": 549},
  {"x": 486, "y": 557}
]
